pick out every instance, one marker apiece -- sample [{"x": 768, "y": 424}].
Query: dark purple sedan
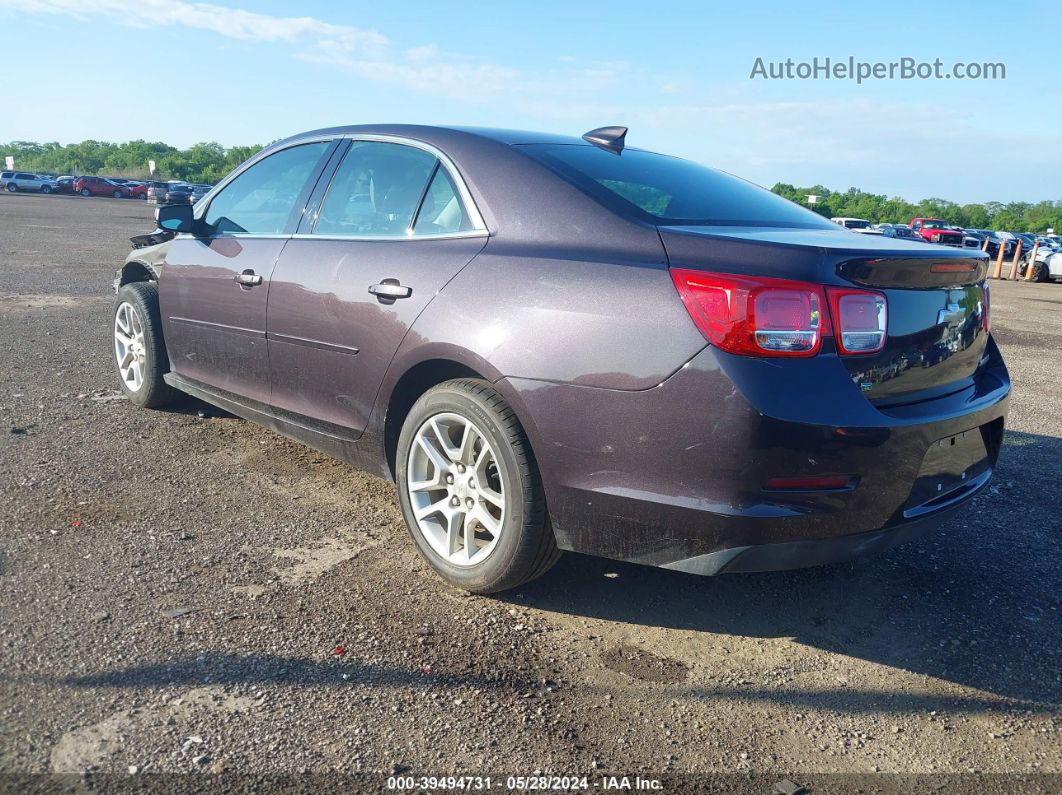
[{"x": 555, "y": 343}]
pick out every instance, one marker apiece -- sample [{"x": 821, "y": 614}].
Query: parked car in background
[
  {"x": 14, "y": 181},
  {"x": 66, "y": 184},
  {"x": 156, "y": 191},
  {"x": 179, "y": 194},
  {"x": 198, "y": 192},
  {"x": 935, "y": 230},
  {"x": 137, "y": 190},
  {"x": 100, "y": 186},
  {"x": 768, "y": 393},
  {"x": 1048, "y": 263},
  {"x": 995, "y": 240},
  {"x": 1027, "y": 240},
  {"x": 860, "y": 225},
  {"x": 901, "y": 232}
]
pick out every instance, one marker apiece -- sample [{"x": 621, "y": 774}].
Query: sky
[{"x": 677, "y": 74}]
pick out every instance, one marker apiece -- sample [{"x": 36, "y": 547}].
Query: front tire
[
  {"x": 46, "y": 190},
  {"x": 139, "y": 351},
  {"x": 117, "y": 194},
  {"x": 470, "y": 489}
]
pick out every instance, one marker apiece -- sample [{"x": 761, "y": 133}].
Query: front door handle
[
  {"x": 248, "y": 278},
  {"x": 390, "y": 289}
]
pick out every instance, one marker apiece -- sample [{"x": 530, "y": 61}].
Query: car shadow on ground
[
  {"x": 220, "y": 668},
  {"x": 976, "y": 603}
]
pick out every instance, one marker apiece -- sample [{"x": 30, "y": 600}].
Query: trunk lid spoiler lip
[{"x": 827, "y": 241}]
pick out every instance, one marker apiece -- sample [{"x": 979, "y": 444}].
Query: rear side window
[
  {"x": 441, "y": 213},
  {"x": 375, "y": 190},
  {"x": 25, "y": 176},
  {"x": 260, "y": 200},
  {"x": 668, "y": 190}
]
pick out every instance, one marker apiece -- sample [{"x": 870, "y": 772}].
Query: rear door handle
[
  {"x": 390, "y": 288},
  {"x": 248, "y": 278}
]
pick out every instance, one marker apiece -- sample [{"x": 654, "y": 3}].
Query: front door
[
  {"x": 391, "y": 231},
  {"x": 214, "y": 284}
]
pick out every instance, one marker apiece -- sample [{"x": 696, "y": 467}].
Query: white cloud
[{"x": 234, "y": 23}]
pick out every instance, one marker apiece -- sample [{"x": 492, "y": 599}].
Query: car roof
[{"x": 437, "y": 135}]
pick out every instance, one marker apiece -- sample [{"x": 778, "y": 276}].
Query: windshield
[
  {"x": 857, "y": 224},
  {"x": 934, "y": 224},
  {"x": 668, "y": 190}
]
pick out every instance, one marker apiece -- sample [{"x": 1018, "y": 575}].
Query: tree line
[
  {"x": 880, "y": 209},
  {"x": 209, "y": 162},
  {"x": 203, "y": 162}
]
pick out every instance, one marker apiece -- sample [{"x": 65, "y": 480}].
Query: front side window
[
  {"x": 375, "y": 190},
  {"x": 441, "y": 212},
  {"x": 261, "y": 199},
  {"x": 660, "y": 189}
]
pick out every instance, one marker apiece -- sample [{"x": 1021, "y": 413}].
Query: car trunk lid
[{"x": 937, "y": 299}]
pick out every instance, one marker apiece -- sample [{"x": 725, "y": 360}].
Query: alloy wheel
[
  {"x": 456, "y": 489},
  {"x": 130, "y": 350}
]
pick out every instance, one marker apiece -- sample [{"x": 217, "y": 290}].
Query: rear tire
[
  {"x": 139, "y": 350},
  {"x": 85, "y": 192},
  {"x": 12, "y": 187},
  {"x": 520, "y": 546}
]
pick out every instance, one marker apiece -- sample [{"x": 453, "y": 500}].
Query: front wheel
[
  {"x": 139, "y": 351},
  {"x": 470, "y": 489},
  {"x": 46, "y": 189},
  {"x": 117, "y": 194}
]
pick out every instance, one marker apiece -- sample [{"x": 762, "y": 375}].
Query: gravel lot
[{"x": 173, "y": 589}]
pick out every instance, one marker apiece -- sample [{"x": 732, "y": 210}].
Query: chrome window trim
[{"x": 393, "y": 238}]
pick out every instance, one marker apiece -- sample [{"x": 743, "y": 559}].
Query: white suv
[{"x": 14, "y": 181}]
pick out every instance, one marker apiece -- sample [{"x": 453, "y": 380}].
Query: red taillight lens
[
  {"x": 755, "y": 316},
  {"x": 814, "y": 483},
  {"x": 861, "y": 318}
]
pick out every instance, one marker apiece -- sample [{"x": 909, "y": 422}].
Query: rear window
[{"x": 668, "y": 190}]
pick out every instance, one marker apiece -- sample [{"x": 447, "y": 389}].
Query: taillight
[
  {"x": 755, "y": 316},
  {"x": 812, "y": 483},
  {"x": 861, "y": 319}
]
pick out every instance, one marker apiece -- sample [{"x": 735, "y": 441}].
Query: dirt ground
[{"x": 174, "y": 587}]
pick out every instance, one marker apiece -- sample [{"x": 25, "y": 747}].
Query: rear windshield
[{"x": 668, "y": 190}]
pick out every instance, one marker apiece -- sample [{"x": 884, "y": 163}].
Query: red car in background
[
  {"x": 137, "y": 190},
  {"x": 935, "y": 230},
  {"x": 100, "y": 186}
]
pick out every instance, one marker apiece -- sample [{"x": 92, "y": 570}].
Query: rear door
[
  {"x": 389, "y": 230},
  {"x": 214, "y": 285}
]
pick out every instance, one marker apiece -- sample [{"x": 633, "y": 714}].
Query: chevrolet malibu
[{"x": 558, "y": 343}]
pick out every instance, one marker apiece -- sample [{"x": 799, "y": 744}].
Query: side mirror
[{"x": 175, "y": 218}]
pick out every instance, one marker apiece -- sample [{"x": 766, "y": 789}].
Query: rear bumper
[
  {"x": 786, "y": 555},
  {"x": 675, "y": 475}
]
